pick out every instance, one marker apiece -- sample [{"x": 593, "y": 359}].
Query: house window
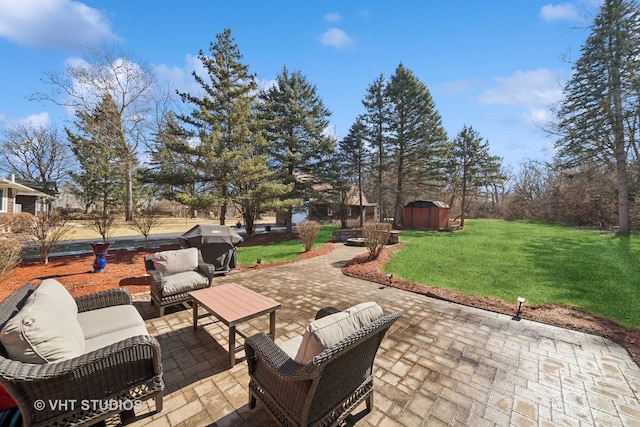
[{"x": 3, "y": 201}]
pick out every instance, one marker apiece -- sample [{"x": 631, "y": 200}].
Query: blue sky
[{"x": 495, "y": 65}]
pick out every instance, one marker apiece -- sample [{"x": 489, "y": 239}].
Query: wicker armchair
[
  {"x": 325, "y": 390},
  {"x": 87, "y": 388},
  {"x": 173, "y": 289}
]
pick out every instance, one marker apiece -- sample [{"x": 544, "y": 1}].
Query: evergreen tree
[
  {"x": 296, "y": 121},
  {"x": 418, "y": 140},
  {"x": 354, "y": 154},
  {"x": 597, "y": 117},
  {"x": 172, "y": 163},
  {"x": 472, "y": 167},
  {"x": 99, "y": 181},
  {"x": 376, "y": 124},
  {"x": 257, "y": 190},
  {"x": 220, "y": 122}
]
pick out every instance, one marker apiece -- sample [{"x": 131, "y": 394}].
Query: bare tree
[
  {"x": 104, "y": 72},
  {"x": 35, "y": 152},
  {"x": 144, "y": 221},
  {"x": 42, "y": 232}
]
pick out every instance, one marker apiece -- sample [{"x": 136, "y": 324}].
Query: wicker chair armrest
[
  {"x": 323, "y": 312},
  {"x": 156, "y": 279},
  {"x": 207, "y": 269},
  {"x": 126, "y": 350},
  {"x": 260, "y": 348},
  {"x": 94, "y": 375},
  {"x": 107, "y": 298}
]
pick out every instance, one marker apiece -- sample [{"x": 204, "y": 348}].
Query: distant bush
[
  {"x": 41, "y": 232},
  {"x": 376, "y": 236},
  {"x": 308, "y": 231},
  {"x": 144, "y": 221},
  {"x": 10, "y": 248},
  {"x": 22, "y": 222}
]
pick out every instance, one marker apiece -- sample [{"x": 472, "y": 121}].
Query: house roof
[{"x": 23, "y": 190}]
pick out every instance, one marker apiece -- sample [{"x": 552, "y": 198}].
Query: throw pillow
[
  {"x": 327, "y": 331},
  {"x": 45, "y": 330},
  {"x": 6, "y": 401},
  {"x": 57, "y": 297}
]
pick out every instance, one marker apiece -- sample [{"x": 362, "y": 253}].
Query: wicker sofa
[
  {"x": 69, "y": 361},
  {"x": 320, "y": 377},
  {"x": 174, "y": 274}
]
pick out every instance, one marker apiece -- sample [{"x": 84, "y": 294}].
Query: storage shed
[{"x": 426, "y": 215}]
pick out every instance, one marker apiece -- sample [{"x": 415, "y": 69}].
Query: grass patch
[
  {"x": 599, "y": 272},
  {"x": 282, "y": 251}
]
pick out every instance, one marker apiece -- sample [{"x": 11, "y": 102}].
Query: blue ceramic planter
[{"x": 100, "y": 251}]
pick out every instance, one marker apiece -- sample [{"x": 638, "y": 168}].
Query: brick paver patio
[{"x": 440, "y": 364}]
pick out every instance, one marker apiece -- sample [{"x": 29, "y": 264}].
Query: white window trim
[{"x": 3, "y": 199}]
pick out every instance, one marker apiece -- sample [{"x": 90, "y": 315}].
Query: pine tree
[
  {"x": 99, "y": 181},
  {"x": 472, "y": 167},
  {"x": 376, "y": 122},
  {"x": 354, "y": 154},
  {"x": 296, "y": 121},
  {"x": 219, "y": 122},
  {"x": 597, "y": 117},
  {"x": 171, "y": 166},
  {"x": 418, "y": 140}
]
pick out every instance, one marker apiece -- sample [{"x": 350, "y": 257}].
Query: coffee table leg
[
  {"x": 232, "y": 346},
  {"x": 194, "y": 304},
  {"x": 272, "y": 325}
]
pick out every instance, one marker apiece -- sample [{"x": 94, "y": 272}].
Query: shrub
[
  {"x": 143, "y": 222},
  {"x": 10, "y": 248},
  {"x": 308, "y": 231},
  {"x": 22, "y": 222},
  {"x": 376, "y": 236},
  {"x": 42, "y": 232},
  {"x": 102, "y": 224}
]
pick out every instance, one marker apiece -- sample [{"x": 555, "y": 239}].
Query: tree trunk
[
  {"x": 128, "y": 209},
  {"x": 619, "y": 149},
  {"x": 288, "y": 218},
  {"x": 223, "y": 213},
  {"x": 360, "y": 199}
]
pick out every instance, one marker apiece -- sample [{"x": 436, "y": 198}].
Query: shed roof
[{"x": 426, "y": 204}]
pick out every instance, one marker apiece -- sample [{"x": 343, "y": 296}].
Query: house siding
[{"x": 28, "y": 204}]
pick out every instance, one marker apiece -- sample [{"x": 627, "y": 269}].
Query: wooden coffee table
[{"x": 234, "y": 304}]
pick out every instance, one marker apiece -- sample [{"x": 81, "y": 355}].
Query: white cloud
[
  {"x": 337, "y": 38},
  {"x": 332, "y": 17},
  {"x": 456, "y": 87},
  {"x": 40, "y": 119},
  {"x": 556, "y": 12},
  {"x": 181, "y": 78},
  {"x": 53, "y": 23},
  {"x": 524, "y": 88}
]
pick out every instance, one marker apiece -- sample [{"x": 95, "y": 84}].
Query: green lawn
[
  {"x": 283, "y": 251},
  {"x": 599, "y": 272}
]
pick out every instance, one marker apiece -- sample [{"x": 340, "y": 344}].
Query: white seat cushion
[
  {"x": 109, "y": 319},
  {"x": 110, "y": 338},
  {"x": 46, "y": 329},
  {"x": 178, "y": 261},
  {"x": 184, "y": 282}
]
